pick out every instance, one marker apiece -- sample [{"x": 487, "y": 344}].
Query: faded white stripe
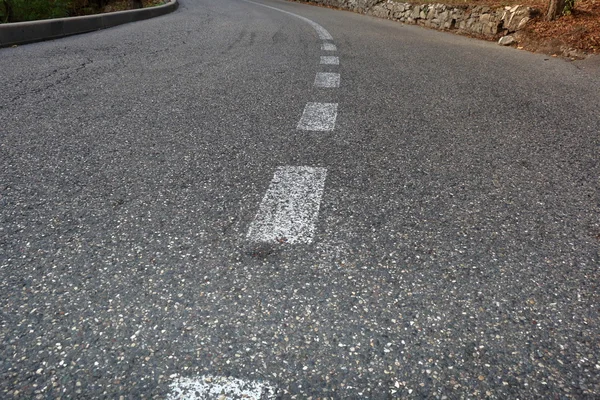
[
  {"x": 330, "y": 60},
  {"x": 220, "y": 387},
  {"x": 328, "y": 47},
  {"x": 322, "y": 32},
  {"x": 318, "y": 117},
  {"x": 290, "y": 207},
  {"x": 327, "y": 80}
]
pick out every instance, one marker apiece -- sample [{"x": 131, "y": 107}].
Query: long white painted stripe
[
  {"x": 330, "y": 60},
  {"x": 322, "y": 32},
  {"x": 327, "y": 80},
  {"x": 290, "y": 207},
  {"x": 220, "y": 387},
  {"x": 328, "y": 47},
  {"x": 318, "y": 117}
]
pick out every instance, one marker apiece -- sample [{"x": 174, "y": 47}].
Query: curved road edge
[{"x": 34, "y": 31}]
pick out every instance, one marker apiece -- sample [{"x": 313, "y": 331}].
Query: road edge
[{"x": 18, "y": 33}]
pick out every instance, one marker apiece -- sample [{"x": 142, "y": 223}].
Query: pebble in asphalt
[{"x": 455, "y": 253}]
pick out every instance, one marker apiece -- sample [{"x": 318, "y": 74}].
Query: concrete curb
[{"x": 35, "y": 31}]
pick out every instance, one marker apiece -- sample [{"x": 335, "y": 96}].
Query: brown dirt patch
[{"x": 572, "y": 35}]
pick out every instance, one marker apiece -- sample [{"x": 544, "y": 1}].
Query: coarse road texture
[{"x": 455, "y": 253}]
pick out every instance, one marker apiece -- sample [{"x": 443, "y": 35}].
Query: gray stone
[
  {"x": 516, "y": 17},
  {"x": 523, "y": 22},
  {"x": 415, "y": 13},
  {"x": 507, "y": 40},
  {"x": 478, "y": 20},
  {"x": 489, "y": 28}
]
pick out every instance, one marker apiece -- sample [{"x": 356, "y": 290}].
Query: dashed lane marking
[
  {"x": 220, "y": 387},
  {"x": 290, "y": 207},
  {"x": 328, "y": 47},
  {"x": 327, "y": 80},
  {"x": 330, "y": 60},
  {"x": 322, "y": 32},
  {"x": 318, "y": 117}
]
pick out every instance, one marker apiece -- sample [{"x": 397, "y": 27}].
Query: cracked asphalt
[{"x": 456, "y": 251}]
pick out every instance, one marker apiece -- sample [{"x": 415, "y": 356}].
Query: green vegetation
[
  {"x": 31, "y": 10},
  {"x": 28, "y": 10},
  {"x": 569, "y": 7}
]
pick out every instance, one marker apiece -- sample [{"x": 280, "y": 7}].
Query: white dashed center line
[
  {"x": 328, "y": 47},
  {"x": 318, "y": 117},
  {"x": 327, "y": 80},
  {"x": 330, "y": 60},
  {"x": 290, "y": 207},
  {"x": 322, "y": 32},
  {"x": 220, "y": 387}
]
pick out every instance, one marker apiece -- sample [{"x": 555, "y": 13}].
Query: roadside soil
[{"x": 574, "y": 35}]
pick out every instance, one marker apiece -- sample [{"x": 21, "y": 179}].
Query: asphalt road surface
[{"x": 234, "y": 201}]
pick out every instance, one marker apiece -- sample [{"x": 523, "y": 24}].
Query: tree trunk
[{"x": 555, "y": 9}]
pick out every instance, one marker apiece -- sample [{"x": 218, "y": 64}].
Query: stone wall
[{"x": 475, "y": 20}]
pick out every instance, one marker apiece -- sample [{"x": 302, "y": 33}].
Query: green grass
[{"x": 29, "y": 10}]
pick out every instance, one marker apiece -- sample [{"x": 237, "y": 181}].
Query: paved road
[{"x": 182, "y": 208}]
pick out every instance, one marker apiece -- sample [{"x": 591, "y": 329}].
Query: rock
[
  {"x": 478, "y": 20},
  {"x": 415, "y": 13},
  {"x": 574, "y": 54},
  {"x": 516, "y": 17},
  {"x": 450, "y": 24},
  {"x": 507, "y": 40},
  {"x": 522, "y": 23}
]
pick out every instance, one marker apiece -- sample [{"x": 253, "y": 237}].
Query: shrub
[{"x": 29, "y": 10}]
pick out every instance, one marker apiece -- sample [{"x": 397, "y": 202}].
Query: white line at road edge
[
  {"x": 322, "y": 32},
  {"x": 217, "y": 387},
  {"x": 327, "y": 80},
  {"x": 318, "y": 117},
  {"x": 290, "y": 207}
]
